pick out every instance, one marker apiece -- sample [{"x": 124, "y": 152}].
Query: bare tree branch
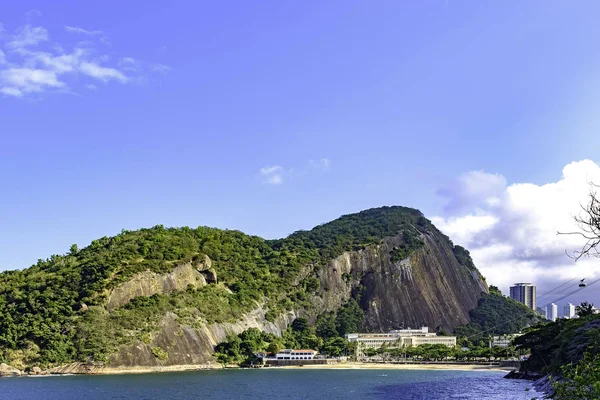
[{"x": 588, "y": 222}]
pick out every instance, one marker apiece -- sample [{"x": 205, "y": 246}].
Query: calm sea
[{"x": 273, "y": 384}]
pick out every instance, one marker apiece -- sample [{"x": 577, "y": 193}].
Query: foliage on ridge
[
  {"x": 43, "y": 317},
  {"x": 496, "y": 315}
]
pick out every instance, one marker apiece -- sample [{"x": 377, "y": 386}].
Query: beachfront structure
[
  {"x": 289, "y": 354},
  {"x": 569, "y": 311},
  {"x": 398, "y": 339},
  {"x": 552, "y": 312},
  {"x": 524, "y": 293}
]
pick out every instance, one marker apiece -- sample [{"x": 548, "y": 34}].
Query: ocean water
[{"x": 273, "y": 384}]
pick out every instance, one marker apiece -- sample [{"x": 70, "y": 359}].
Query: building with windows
[
  {"x": 524, "y": 293},
  {"x": 569, "y": 311},
  {"x": 398, "y": 339},
  {"x": 552, "y": 312},
  {"x": 289, "y": 354}
]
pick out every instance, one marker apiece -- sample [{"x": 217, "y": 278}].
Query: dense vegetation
[
  {"x": 496, "y": 315},
  {"x": 327, "y": 336},
  {"x": 53, "y": 312},
  {"x": 569, "y": 350},
  {"x": 439, "y": 352}
]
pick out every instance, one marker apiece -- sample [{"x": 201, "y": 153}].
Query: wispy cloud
[
  {"x": 161, "y": 68},
  {"x": 27, "y": 36},
  {"x": 103, "y": 73},
  {"x": 272, "y": 174},
  {"x": 276, "y": 174},
  {"x": 33, "y": 64},
  {"x": 75, "y": 29}
]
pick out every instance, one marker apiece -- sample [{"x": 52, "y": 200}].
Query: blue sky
[{"x": 167, "y": 113}]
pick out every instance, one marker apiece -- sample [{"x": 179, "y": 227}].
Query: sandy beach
[{"x": 359, "y": 365}]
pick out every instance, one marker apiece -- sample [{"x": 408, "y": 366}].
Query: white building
[
  {"x": 398, "y": 339},
  {"x": 289, "y": 354},
  {"x": 552, "y": 312},
  {"x": 569, "y": 311}
]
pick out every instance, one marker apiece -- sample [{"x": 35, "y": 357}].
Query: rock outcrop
[
  {"x": 7, "y": 370},
  {"x": 429, "y": 288},
  {"x": 149, "y": 283},
  {"x": 184, "y": 345}
]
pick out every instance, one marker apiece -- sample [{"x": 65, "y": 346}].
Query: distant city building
[
  {"x": 552, "y": 312},
  {"x": 524, "y": 293},
  {"x": 569, "y": 311},
  {"x": 398, "y": 339}
]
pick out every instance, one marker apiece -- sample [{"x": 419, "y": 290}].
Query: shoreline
[
  {"x": 82, "y": 369},
  {"x": 384, "y": 366}
]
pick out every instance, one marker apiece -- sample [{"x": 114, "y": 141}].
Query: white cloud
[
  {"x": 11, "y": 91},
  {"x": 18, "y": 81},
  {"x": 104, "y": 74},
  {"x": 513, "y": 237},
  {"x": 272, "y": 174},
  {"x": 91, "y": 87},
  {"x": 75, "y": 29},
  {"x": 28, "y": 36},
  {"x": 471, "y": 188},
  {"x": 33, "y": 64}
]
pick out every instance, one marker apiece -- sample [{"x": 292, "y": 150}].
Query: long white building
[{"x": 398, "y": 339}]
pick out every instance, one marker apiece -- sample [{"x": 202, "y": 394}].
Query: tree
[
  {"x": 73, "y": 250},
  {"x": 300, "y": 325},
  {"x": 589, "y": 226},
  {"x": 274, "y": 347},
  {"x": 336, "y": 347},
  {"x": 349, "y": 317},
  {"x": 325, "y": 326},
  {"x": 584, "y": 309},
  {"x": 580, "y": 380}
]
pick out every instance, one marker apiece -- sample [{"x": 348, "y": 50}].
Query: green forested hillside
[
  {"x": 53, "y": 312},
  {"x": 497, "y": 315},
  {"x": 569, "y": 350}
]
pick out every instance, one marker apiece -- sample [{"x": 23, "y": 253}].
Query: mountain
[{"x": 167, "y": 296}]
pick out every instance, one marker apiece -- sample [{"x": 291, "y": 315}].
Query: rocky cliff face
[
  {"x": 184, "y": 345},
  {"x": 428, "y": 288},
  {"x": 149, "y": 283}
]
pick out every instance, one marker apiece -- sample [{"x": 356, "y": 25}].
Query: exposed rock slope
[
  {"x": 428, "y": 288},
  {"x": 150, "y": 298}
]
